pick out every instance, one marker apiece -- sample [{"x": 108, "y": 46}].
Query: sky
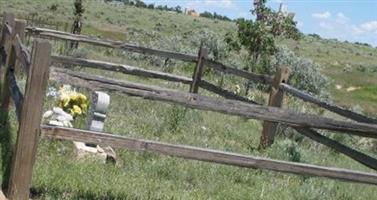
[{"x": 352, "y": 20}]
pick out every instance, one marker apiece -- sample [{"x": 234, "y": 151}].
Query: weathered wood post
[
  {"x": 8, "y": 58},
  {"x": 19, "y": 28},
  {"x": 30, "y": 121},
  {"x": 199, "y": 69},
  {"x": 20, "y": 31},
  {"x": 276, "y": 100},
  {"x": 8, "y": 21}
]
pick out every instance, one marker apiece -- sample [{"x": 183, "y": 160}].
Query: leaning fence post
[
  {"x": 30, "y": 121},
  {"x": 276, "y": 100},
  {"x": 7, "y": 58},
  {"x": 20, "y": 30},
  {"x": 199, "y": 69}
]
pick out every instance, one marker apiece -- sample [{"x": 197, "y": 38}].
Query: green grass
[
  {"x": 346, "y": 64},
  {"x": 59, "y": 175},
  {"x": 150, "y": 176}
]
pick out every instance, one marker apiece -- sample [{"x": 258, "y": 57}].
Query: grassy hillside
[
  {"x": 347, "y": 65},
  {"x": 58, "y": 175},
  {"x": 182, "y": 33}
]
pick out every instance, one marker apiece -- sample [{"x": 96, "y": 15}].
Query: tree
[
  {"x": 206, "y": 14},
  {"x": 178, "y": 9},
  {"x": 151, "y": 6},
  {"x": 77, "y": 23},
  {"x": 258, "y": 36},
  {"x": 140, "y": 4}
]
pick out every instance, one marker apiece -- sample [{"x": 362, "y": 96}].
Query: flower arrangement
[
  {"x": 72, "y": 102},
  {"x": 237, "y": 90}
]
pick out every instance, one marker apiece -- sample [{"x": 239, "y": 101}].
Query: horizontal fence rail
[
  {"x": 47, "y": 33},
  {"x": 207, "y": 155},
  {"x": 126, "y": 69},
  {"x": 212, "y": 104},
  {"x": 109, "y": 43},
  {"x": 29, "y": 107},
  {"x": 336, "y": 109},
  {"x": 260, "y": 78},
  {"x": 312, "y": 134},
  {"x": 358, "y": 156},
  {"x": 222, "y": 92}
]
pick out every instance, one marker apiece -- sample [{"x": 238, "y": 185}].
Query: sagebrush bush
[
  {"x": 305, "y": 74},
  {"x": 79, "y": 53},
  {"x": 217, "y": 48},
  {"x": 175, "y": 116}
]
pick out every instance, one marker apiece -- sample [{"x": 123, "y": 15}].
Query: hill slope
[
  {"x": 147, "y": 176},
  {"x": 183, "y": 33}
]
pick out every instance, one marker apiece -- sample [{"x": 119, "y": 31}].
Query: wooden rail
[
  {"x": 336, "y": 109},
  {"x": 222, "y": 92},
  {"x": 22, "y": 53},
  {"x": 47, "y": 33},
  {"x": 30, "y": 117},
  {"x": 260, "y": 78},
  {"x": 126, "y": 69},
  {"x": 8, "y": 58},
  {"x": 354, "y": 154},
  {"x": 357, "y": 156},
  {"x": 208, "y": 155},
  {"x": 231, "y": 107},
  {"x": 8, "y": 29},
  {"x": 16, "y": 94},
  {"x": 275, "y": 100},
  {"x": 199, "y": 69},
  {"x": 29, "y": 107}
]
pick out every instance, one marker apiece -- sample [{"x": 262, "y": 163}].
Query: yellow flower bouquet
[{"x": 72, "y": 102}]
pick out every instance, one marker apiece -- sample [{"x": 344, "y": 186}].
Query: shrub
[
  {"x": 217, "y": 48},
  {"x": 79, "y": 53},
  {"x": 53, "y": 7},
  {"x": 175, "y": 116},
  {"x": 314, "y": 36},
  {"x": 305, "y": 74}
]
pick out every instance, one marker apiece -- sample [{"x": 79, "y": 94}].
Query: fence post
[
  {"x": 199, "y": 69},
  {"x": 20, "y": 30},
  {"x": 30, "y": 121},
  {"x": 276, "y": 100},
  {"x": 8, "y": 58}
]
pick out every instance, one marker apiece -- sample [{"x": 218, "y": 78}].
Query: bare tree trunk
[
  {"x": 76, "y": 29},
  {"x": 77, "y": 23}
]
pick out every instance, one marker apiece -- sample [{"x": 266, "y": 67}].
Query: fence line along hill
[{"x": 37, "y": 65}]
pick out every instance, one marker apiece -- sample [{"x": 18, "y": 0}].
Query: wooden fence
[{"x": 36, "y": 65}]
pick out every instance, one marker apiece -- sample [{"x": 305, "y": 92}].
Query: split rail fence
[{"x": 36, "y": 65}]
